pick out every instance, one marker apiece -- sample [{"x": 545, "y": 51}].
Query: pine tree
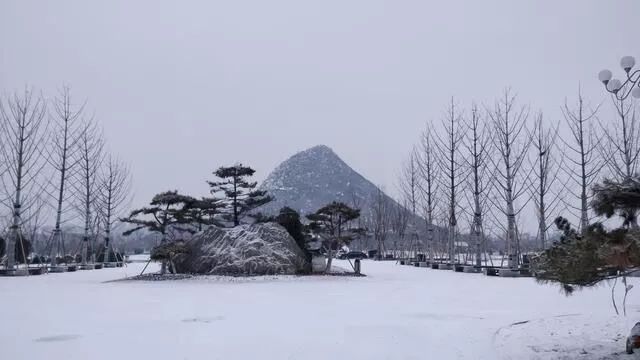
[
  {"x": 168, "y": 211},
  {"x": 240, "y": 196},
  {"x": 585, "y": 258},
  {"x": 332, "y": 223},
  {"x": 202, "y": 212},
  {"x": 620, "y": 198}
]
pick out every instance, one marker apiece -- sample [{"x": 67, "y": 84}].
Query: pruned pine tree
[
  {"x": 410, "y": 189},
  {"x": 332, "y": 223},
  {"x": 620, "y": 198},
  {"x": 478, "y": 146},
  {"x": 429, "y": 183},
  {"x": 168, "y": 211},
  {"x": 452, "y": 170},
  {"x": 621, "y": 149},
  {"x": 545, "y": 188},
  {"x": 63, "y": 159},
  {"x": 240, "y": 196},
  {"x": 587, "y": 257},
  {"x": 90, "y": 159},
  {"x": 582, "y": 164},
  {"x": 511, "y": 141},
  {"x": 114, "y": 194},
  {"x": 23, "y": 125},
  {"x": 204, "y": 212},
  {"x": 381, "y": 208}
]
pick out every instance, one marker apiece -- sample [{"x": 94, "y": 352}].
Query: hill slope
[{"x": 314, "y": 177}]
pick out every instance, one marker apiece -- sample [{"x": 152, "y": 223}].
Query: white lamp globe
[
  {"x": 636, "y": 92},
  {"x": 627, "y": 63},
  {"x": 614, "y": 85},
  {"x": 605, "y": 76}
]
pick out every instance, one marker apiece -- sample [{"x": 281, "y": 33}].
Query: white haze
[{"x": 182, "y": 87}]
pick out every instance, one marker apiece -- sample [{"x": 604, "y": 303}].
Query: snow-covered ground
[{"x": 396, "y": 312}]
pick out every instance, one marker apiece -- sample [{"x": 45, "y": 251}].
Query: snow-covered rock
[{"x": 256, "y": 249}]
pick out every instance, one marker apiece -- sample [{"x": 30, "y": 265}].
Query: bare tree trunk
[
  {"x": 410, "y": 185},
  {"x": 329, "y": 260},
  {"x": 512, "y": 143},
  {"x": 429, "y": 186},
  {"x": 477, "y": 147},
  {"x": 91, "y": 146},
  {"x": 163, "y": 266},
  {"x": 63, "y": 160},
  {"x": 22, "y": 125},
  {"x": 581, "y": 155},
  {"x": 115, "y": 187},
  {"x": 546, "y": 196},
  {"x": 381, "y": 219},
  {"x": 448, "y": 147},
  {"x": 613, "y": 296}
]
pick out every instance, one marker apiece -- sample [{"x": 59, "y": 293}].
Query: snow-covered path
[{"x": 396, "y": 312}]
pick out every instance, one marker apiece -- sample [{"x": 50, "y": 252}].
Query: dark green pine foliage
[
  {"x": 240, "y": 196},
  {"x": 167, "y": 210},
  {"x": 596, "y": 254},
  {"x": 290, "y": 220},
  {"x": 333, "y": 225},
  {"x": 202, "y": 212},
  {"x": 618, "y": 198}
]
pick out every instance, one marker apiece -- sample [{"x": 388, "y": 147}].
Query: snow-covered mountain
[{"x": 313, "y": 178}]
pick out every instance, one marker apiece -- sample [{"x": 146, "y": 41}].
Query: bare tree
[
  {"x": 113, "y": 197},
  {"x": 23, "y": 124},
  {"x": 399, "y": 222},
  {"x": 410, "y": 189},
  {"x": 545, "y": 189},
  {"x": 512, "y": 142},
  {"x": 583, "y": 164},
  {"x": 450, "y": 164},
  {"x": 361, "y": 242},
  {"x": 478, "y": 146},
  {"x": 36, "y": 216},
  {"x": 428, "y": 186},
  {"x": 622, "y": 146},
  {"x": 62, "y": 157},
  {"x": 90, "y": 156},
  {"x": 380, "y": 220}
]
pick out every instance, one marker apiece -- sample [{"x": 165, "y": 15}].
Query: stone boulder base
[{"x": 257, "y": 249}]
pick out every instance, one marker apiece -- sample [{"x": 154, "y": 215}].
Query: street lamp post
[{"x": 630, "y": 86}]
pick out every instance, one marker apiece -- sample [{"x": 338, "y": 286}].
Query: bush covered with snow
[{"x": 257, "y": 249}]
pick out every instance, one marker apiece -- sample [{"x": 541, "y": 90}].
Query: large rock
[{"x": 257, "y": 249}]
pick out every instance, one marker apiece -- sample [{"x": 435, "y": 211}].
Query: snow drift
[{"x": 257, "y": 249}]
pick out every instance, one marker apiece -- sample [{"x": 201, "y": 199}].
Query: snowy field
[{"x": 396, "y": 312}]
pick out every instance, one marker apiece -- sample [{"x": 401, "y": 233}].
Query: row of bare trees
[
  {"x": 55, "y": 169},
  {"x": 478, "y": 172}
]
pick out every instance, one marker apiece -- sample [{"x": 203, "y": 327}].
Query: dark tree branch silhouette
[
  {"x": 582, "y": 163},
  {"x": 23, "y": 124}
]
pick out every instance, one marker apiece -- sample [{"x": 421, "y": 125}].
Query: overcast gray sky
[{"x": 182, "y": 87}]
